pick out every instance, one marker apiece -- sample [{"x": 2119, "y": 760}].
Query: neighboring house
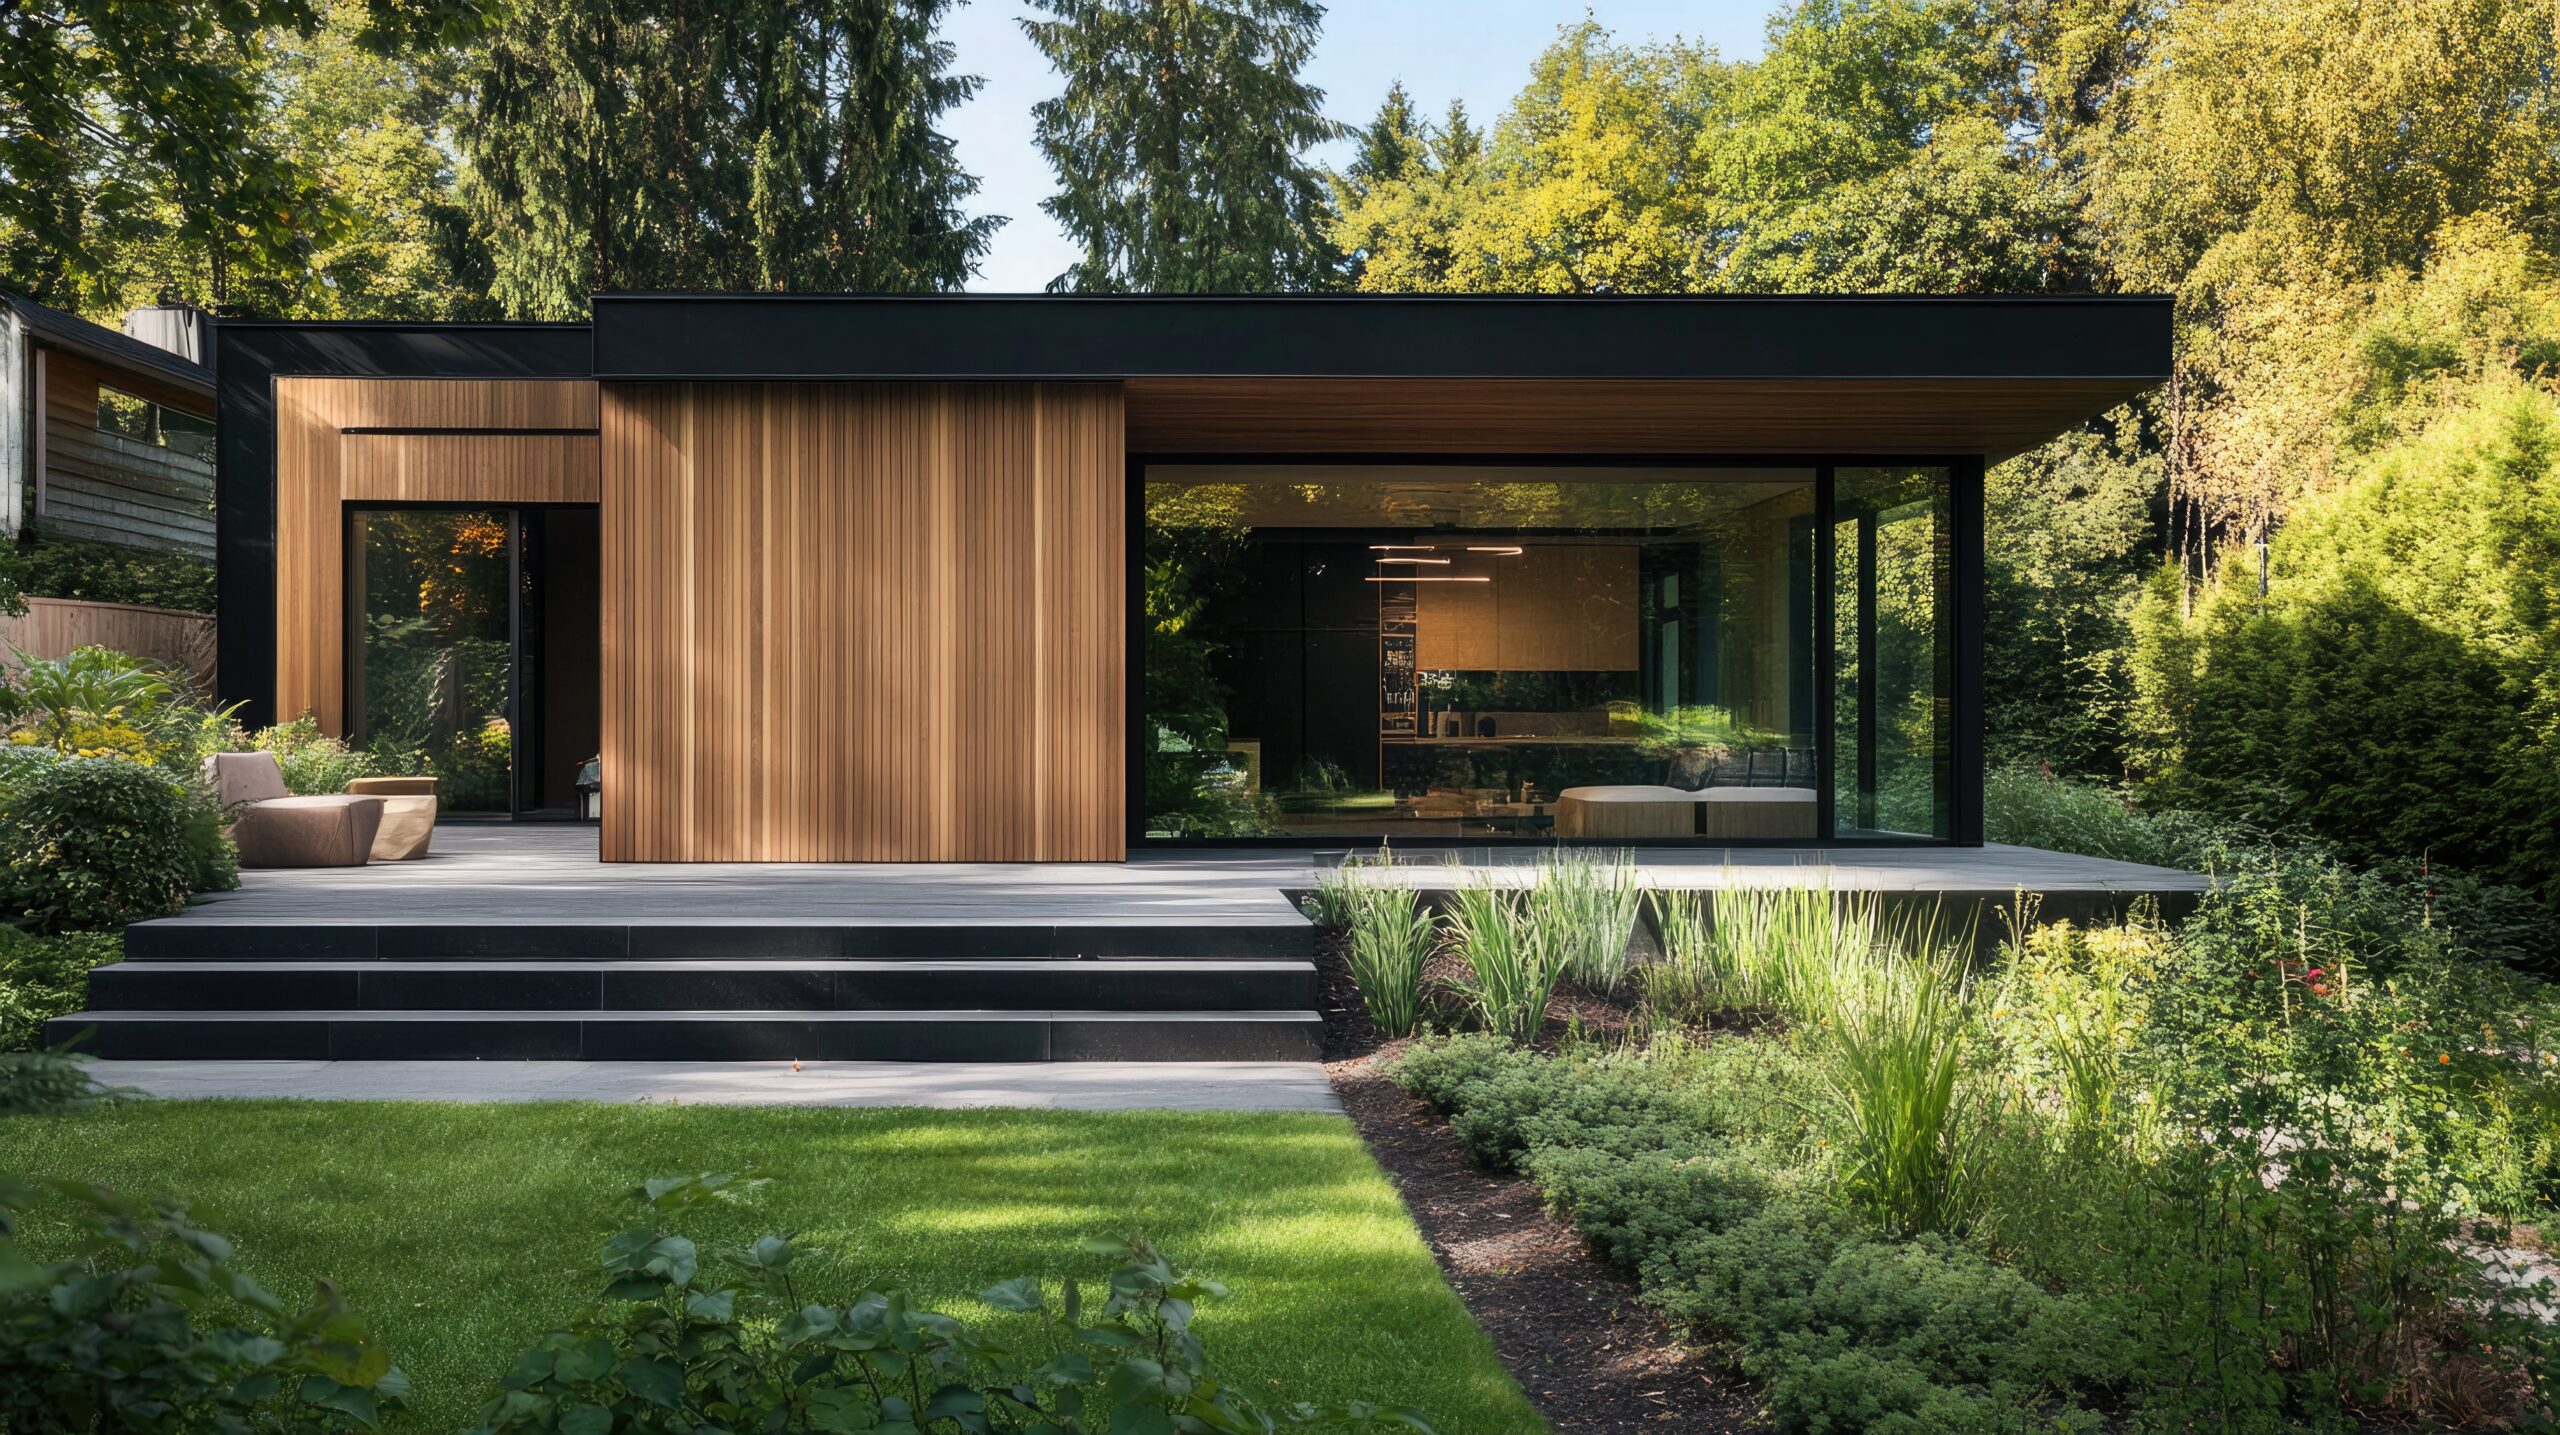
[
  {"x": 106, "y": 436},
  {"x": 833, "y": 578}
]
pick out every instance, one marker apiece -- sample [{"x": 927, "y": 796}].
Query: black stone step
[
  {"x": 946, "y": 1035},
  {"x": 201, "y": 937},
  {"x": 741, "y": 985}
]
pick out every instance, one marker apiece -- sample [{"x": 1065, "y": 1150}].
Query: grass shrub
[
  {"x": 42, "y": 977},
  {"x": 2031, "y": 807},
  {"x": 1391, "y": 934},
  {"x": 1587, "y": 902},
  {"x": 1514, "y": 959},
  {"x": 1910, "y": 1109}
]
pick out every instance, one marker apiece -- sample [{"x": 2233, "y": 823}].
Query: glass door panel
[
  {"x": 1893, "y": 653},
  {"x": 472, "y": 652}
]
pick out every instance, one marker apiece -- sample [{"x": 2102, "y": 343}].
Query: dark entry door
[{"x": 473, "y": 651}]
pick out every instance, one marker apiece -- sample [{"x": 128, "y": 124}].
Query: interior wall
[
  {"x": 863, "y": 622},
  {"x": 462, "y": 441}
]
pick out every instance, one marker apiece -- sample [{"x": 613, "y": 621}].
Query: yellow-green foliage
[{"x": 2397, "y": 688}]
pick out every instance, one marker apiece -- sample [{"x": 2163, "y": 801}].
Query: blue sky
[{"x": 1476, "y": 50}]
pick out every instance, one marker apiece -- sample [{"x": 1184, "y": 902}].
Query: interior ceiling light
[
  {"x": 1441, "y": 561},
  {"x": 1404, "y": 547},
  {"x": 1510, "y": 550},
  {"x": 1428, "y": 578}
]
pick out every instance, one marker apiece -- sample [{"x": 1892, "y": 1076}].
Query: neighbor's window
[{"x": 146, "y": 422}]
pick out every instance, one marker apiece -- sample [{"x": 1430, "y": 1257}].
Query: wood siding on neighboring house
[
  {"x": 112, "y": 488},
  {"x": 432, "y": 441},
  {"x": 863, "y": 622}
]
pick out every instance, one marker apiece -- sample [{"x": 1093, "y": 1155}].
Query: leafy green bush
[
  {"x": 97, "y": 702},
  {"x": 96, "y": 842},
  {"x": 2394, "y": 688},
  {"x": 669, "y": 1348},
  {"x": 2032, "y": 807},
  {"x": 123, "y": 1335},
  {"x": 49, "y": 1083},
  {"x": 112, "y": 573},
  {"x": 46, "y": 977},
  {"x": 314, "y": 764},
  {"x": 1847, "y": 1327}
]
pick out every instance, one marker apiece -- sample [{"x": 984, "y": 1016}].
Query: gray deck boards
[{"x": 494, "y": 875}]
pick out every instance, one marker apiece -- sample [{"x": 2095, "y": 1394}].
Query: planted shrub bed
[{"x": 2254, "y": 1172}]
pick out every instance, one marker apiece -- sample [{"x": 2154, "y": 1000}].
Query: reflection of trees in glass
[
  {"x": 1911, "y": 583},
  {"x": 436, "y": 651},
  {"x": 1192, "y": 788}
]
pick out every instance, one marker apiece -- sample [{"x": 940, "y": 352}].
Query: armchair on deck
[{"x": 273, "y": 828}]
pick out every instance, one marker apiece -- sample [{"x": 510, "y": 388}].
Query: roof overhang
[{"x": 1774, "y": 375}]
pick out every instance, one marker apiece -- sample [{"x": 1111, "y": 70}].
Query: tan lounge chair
[{"x": 276, "y": 829}]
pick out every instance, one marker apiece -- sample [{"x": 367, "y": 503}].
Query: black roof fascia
[
  {"x": 248, "y": 357},
  {"x": 972, "y": 336}
]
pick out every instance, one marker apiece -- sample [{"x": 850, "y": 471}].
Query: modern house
[
  {"x": 1002, "y": 595},
  {"x": 834, "y": 578}
]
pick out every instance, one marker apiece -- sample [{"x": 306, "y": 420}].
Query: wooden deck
[
  {"x": 493, "y": 875},
  {"x": 517, "y": 944}
]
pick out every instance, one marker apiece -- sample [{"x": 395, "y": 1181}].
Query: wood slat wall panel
[
  {"x": 469, "y": 468},
  {"x": 312, "y": 416},
  {"x": 863, "y": 622}
]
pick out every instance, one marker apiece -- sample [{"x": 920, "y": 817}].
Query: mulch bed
[{"x": 1567, "y": 1325}]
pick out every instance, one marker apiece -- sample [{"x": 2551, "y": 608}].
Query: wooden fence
[{"x": 53, "y": 627}]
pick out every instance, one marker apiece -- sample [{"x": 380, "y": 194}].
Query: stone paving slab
[{"x": 1065, "y": 1086}]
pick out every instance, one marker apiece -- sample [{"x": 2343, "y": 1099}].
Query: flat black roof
[{"x": 1006, "y": 336}]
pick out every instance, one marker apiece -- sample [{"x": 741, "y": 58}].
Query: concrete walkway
[{"x": 1066, "y": 1086}]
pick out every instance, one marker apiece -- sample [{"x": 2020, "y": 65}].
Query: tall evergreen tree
[
  {"x": 1180, "y": 143},
  {"x": 718, "y": 144}
]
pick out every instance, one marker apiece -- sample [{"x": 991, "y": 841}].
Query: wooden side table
[{"x": 408, "y": 815}]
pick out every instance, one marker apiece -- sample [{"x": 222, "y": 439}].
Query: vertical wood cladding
[
  {"x": 863, "y": 622},
  {"x": 452, "y": 445}
]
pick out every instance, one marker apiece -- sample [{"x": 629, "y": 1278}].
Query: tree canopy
[
  {"x": 786, "y": 144},
  {"x": 1180, "y": 144}
]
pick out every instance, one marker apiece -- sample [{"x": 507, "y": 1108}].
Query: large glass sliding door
[
  {"x": 472, "y": 651},
  {"x": 1893, "y": 653}
]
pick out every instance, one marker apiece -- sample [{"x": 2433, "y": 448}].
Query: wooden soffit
[{"x": 1807, "y": 418}]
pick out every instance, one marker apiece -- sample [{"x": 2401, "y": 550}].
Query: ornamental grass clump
[
  {"x": 1756, "y": 952},
  {"x": 1513, "y": 958},
  {"x": 1587, "y": 902},
  {"x": 1891, "y": 1042},
  {"x": 1391, "y": 934}
]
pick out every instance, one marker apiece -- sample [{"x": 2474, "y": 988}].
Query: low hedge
[{"x": 44, "y": 977}]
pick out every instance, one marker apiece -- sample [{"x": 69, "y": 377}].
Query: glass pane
[
  {"x": 1893, "y": 649},
  {"x": 431, "y": 666},
  {"x": 1445, "y": 651}
]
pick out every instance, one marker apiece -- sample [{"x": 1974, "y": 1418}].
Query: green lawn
[{"x": 464, "y": 1230}]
